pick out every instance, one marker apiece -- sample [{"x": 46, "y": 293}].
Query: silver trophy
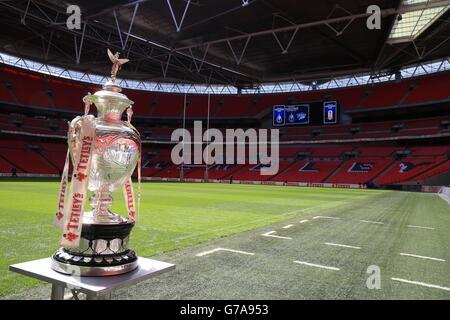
[{"x": 95, "y": 242}]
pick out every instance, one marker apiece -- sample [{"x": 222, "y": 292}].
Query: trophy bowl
[{"x": 103, "y": 244}]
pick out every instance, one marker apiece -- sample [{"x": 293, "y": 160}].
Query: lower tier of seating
[{"x": 379, "y": 165}]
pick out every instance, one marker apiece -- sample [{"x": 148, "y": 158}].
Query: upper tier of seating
[
  {"x": 23, "y": 87},
  {"x": 397, "y": 128}
]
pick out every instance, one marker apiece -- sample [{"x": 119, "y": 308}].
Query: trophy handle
[{"x": 87, "y": 100}]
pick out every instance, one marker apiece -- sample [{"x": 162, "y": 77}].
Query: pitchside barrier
[
  {"x": 431, "y": 189},
  {"x": 272, "y": 183},
  {"x": 443, "y": 191},
  {"x": 30, "y": 175}
]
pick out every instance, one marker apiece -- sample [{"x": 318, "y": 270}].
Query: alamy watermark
[
  {"x": 374, "y": 279},
  {"x": 73, "y": 22},
  {"x": 231, "y": 150},
  {"x": 373, "y": 22}
]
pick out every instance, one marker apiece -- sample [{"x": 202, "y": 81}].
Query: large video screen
[
  {"x": 330, "y": 112},
  {"x": 290, "y": 115},
  {"x": 313, "y": 113}
]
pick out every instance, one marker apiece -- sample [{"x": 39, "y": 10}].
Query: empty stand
[
  {"x": 360, "y": 170},
  {"x": 302, "y": 161},
  {"x": 382, "y": 95},
  {"x": 168, "y": 105},
  {"x": 28, "y": 88},
  {"x": 376, "y": 151},
  {"x": 27, "y": 161},
  {"x": 430, "y": 88},
  {"x": 252, "y": 172},
  {"x": 308, "y": 171},
  {"x": 440, "y": 169},
  {"x": 407, "y": 169}
]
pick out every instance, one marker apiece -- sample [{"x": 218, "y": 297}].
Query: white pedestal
[{"x": 93, "y": 287}]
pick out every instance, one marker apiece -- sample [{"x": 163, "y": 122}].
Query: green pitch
[{"x": 374, "y": 228}]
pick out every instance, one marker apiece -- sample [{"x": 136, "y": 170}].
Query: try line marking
[
  {"x": 421, "y": 257},
  {"x": 303, "y": 221},
  {"x": 201, "y": 254},
  {"x": 341, "y": 245},
  {"x": 429, "y": 228},
  {"x": 288, "y": 226},
  {"x": 271, "y": 234},
  {"x": 326, "y": 217},
  {"x": 369, "y": 221},
  {"x": 423, "y": 284},
  {"x": 316, "y": 265}
]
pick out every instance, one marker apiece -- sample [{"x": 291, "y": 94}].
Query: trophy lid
[{"x": 110, "y": 101}]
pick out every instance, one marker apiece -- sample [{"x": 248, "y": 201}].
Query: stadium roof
[
  {"x": 413, "y": 23},
  {"x": 240, "y": 43}
]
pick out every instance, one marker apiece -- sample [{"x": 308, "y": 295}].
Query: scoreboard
[{"x": 314, "y": 113}]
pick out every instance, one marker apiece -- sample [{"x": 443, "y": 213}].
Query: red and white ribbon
[
  {"x": 73, "y": 212},
  {"x": 128, "y": 194},
  {"x": 59, "y": 216},
  {"x": 128, "y": 186},
  {"x": 139, "y": 184},
  {"x": 129, "y": 199}
]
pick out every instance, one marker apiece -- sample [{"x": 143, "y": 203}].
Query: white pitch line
[
  {"x": 423, "y": 284},
  {"x": 421, "y": 257},
  {"x": 271, "y": 234},
  {"x": 326, "y": 217},
  {"x": 288, "y": 226},
  {"x": 316, "y": 265},
  {"x": 370, "y": 221},
  {"x": 341, "y": 245},
  {"x": 420, "y": 227},
  {"x": 303, "y": 221},
  {"x": 223, "y": 249}
]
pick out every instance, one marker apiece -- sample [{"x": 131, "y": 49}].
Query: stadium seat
[
  {"x": 308, "y": 171},
  {"x": 360, "y": 170},
  {"x": 407, "y": 169}
]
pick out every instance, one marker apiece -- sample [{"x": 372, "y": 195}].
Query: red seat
[
  {"x": 384, "y": 95},
  {"x": 360, "y": 170},
  {"x": 308, "y": 171},
  {"x": 407, "y": 169}
]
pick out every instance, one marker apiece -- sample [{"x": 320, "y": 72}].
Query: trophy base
[
  {"x": 93, "y": 266},
  {"x": 102, "y": 251}
]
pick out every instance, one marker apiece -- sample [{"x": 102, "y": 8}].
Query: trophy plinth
[
  {"x": 103, "y": 248},
  {"x": 103, "y": 251},
  {"x": 109, "y": 159}
]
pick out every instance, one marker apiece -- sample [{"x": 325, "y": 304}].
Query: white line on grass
[
  {"x": 223, "y": 249},
  {"x": 303, "y": 221},
  {"x": 423, "y": 284},
  {"x": 341, "y": 245},
  {"x": 370, "y": 221},
  {"x": 316, "y": 265},
  {"x": 420, "y": 227},
  {"x": 286, "y": 213},
  {"x": 271, "y": 234},
  {"x": 288, "y": 226},
  {"x": 421, "y": 257},
  {"x": 326, "y": 217}
]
